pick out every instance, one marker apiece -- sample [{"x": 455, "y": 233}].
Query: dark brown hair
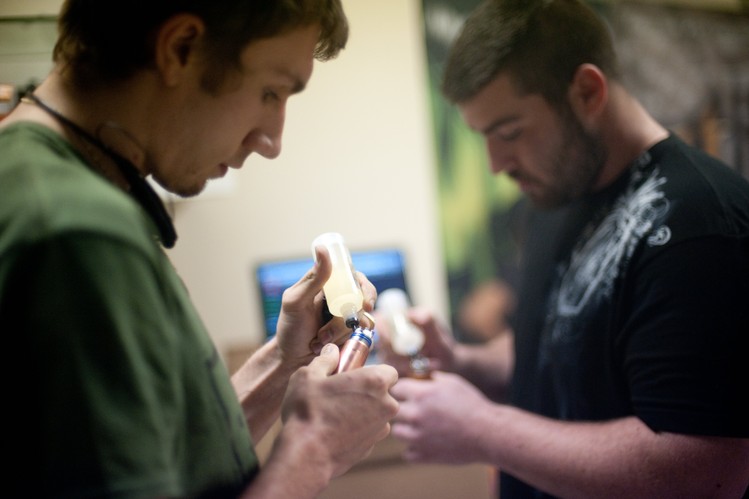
[
  {"x": 101, "y": 41},
  {"x": 539, "y": 43}
]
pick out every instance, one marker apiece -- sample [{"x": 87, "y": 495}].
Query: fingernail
[{"x": 328, "y": 348}]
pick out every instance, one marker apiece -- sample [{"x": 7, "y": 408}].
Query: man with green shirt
[{"x": 125, "y": 394}]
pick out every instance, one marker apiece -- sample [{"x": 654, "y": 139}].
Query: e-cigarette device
[{"x": 356, "y": 349}]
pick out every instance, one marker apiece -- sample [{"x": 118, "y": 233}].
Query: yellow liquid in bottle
[{"x": 342, "y": 291}]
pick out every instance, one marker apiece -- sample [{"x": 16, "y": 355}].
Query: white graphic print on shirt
[{"x": 596, "y": 264}]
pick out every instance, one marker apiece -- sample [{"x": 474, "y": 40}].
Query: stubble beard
[{"x": 575, "y": 168}]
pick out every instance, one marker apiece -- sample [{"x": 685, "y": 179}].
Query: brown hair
[
  {"x": 540, "y": 43},
  {"x": 101, "y": 41}
]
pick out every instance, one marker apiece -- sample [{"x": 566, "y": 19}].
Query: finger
[
  {"x": 423, "y": 318},
  {"x": 384, "y": 433},
  {"x": 368, "y": 290},
  {"x": 407, "y": 388},
  {"x": 311, "y": 283},
  {"x": 388, "y": 373},
  {"x": 325, "y": 335},
  {"x": 335, "y": 331},
  {"x": 338, "y": 331},
  {"x": 408, "y": 414},
  {"x": 367, "y": 320},
  {"x": 325, "y": 363},
  {"x": 403, "y": 432}
]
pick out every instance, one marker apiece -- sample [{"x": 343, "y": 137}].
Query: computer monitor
[{"x": 385, "y": 268}]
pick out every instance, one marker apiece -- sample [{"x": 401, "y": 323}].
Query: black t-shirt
[{"x": 635, "y": 301}]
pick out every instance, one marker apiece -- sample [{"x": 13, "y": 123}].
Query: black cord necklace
[{"x": 140, "y": 189}]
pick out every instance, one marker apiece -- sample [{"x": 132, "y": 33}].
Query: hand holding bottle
[
  {"x": 344, "y": 299},
  {"x": 301, "y": 331}
]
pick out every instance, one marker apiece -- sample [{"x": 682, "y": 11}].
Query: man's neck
[{"x": 629, "y": 130}]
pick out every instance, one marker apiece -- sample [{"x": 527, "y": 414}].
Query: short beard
[{"x": 577, "y": 166}]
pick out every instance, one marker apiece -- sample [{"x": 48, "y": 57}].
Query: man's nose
[
  {"x": 267, "y": 145},
  {"x": 265, "y": 139},
  {"x": 499, "y": 158}
]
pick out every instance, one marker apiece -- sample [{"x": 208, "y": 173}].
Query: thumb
[
  {"x": 321, "y": 271},
  {"x": 327, "y": 361},
  {"x": 312, "y": 282}
]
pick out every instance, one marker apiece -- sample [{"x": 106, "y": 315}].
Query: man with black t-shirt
[{"x": 625, "y": 369}]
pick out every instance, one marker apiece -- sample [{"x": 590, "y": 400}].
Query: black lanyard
[{"x": 140, "y": 189}]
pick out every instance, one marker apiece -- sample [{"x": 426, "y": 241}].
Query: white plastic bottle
[
  {"x": 342, "y": 291},
  {"x": 406, "y": 339}
]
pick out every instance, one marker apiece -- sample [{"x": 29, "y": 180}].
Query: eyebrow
[
  {"x": 298, "y": 85},
  {"x": 498, "y": 123}
]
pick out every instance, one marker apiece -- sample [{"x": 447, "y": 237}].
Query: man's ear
[
  {"x": 588, "y": 93},
  {"x": 176, "y": 45}
]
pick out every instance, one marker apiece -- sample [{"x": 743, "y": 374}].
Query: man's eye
[{"x": 508, "y": 135}]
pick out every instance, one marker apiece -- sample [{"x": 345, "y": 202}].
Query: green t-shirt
[{"x": 121, "y": 391}]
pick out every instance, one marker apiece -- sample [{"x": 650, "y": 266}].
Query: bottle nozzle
[
  {"x": 352, "y": 322},
  {"x": 350, "y": 313}
]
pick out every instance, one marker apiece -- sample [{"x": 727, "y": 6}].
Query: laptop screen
[{"x": 385, "y": 268}]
